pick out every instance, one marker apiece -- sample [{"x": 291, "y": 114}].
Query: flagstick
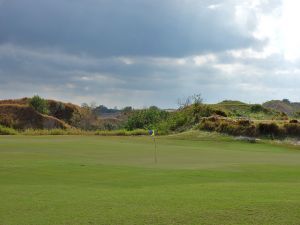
[{"x": 155, "y": 152}]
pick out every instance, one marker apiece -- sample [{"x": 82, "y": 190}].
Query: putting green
[{"x": 114, "y": 180}]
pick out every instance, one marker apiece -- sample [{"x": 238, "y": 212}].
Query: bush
[
  {"x": 297, "y": 114},
  {"x": 7, "y": 131},
  {"x": 292, "y": 129},
  {"x": 257, "y": 108},
  {"x": 7, "y": 120},
  {"x": 269, "y": 129},
  {"x": 294, "y": 121},
  {"x": 146, "y": 118},
  {"x": 39, "y": 104},
  {"x": 237, "y": 129},
  {"x": 138, "y": 132},
  {"x": 283, "y": 116},
  {"x": 227, "y": 126},
  {"x": 207, "y": 125},
  {"x": 244, "y": 122},
  {"x": 177, "y": 121},
  {"x": 220, "y": 113}
]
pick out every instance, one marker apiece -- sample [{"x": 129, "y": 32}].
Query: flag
[{"x": 151, "y": 132}]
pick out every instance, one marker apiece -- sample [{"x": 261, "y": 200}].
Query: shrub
[
  {"x": 236, "y": 129},
  {"x": 146, "y": 118},
  {"x": 244, "y": 122},
  {"x": 220, "y": 113},
  {"x": 269, "y": 129},
  {"x": 7, "y": 120},
  {"x": 7, "y": 131},
  {"x": 257, "y": 108},
  {"x": 227, "y": 126},
  {"x": 201, "y": 110},
  {"x": 293, "y": 121},
  {"x": 138, "y": 132},
  {"x": 292, "y": 129},
  {"x": 39, "y": 104},
  {"x": 297, "y": 114},
  {"x": 283, "y": 116},
  {"x": 177, "y": 120},
  {"x": 250, "y": 131},
  {"x": 207, "y": 125}
]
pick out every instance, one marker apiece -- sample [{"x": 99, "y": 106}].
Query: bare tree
[
  {"x": 193, "y": 99},
  {"x": 197, "y": 99},
  {"x": 184, "y": 102}
]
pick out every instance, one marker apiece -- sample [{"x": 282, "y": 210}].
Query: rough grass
[
  {"x": 7, "y": 131},
  {"x": 37, "y": 132},
  {"x": 136, "y": 132},
  {"x": 70, "y": 131},
  {"x": 202, "y": 178},
  {"x": 239, "y": 109}
]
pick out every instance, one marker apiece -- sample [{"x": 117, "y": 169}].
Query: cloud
[
  {"x": 141, "y": 53},
  {"x": 105, "y": 28},
  {"x": 214, "y": 6}
]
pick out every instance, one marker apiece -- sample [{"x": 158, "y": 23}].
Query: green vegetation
[
  {"x": 235, "y": 109},
  {"x": 136, "y": 132},
  {"x": 145, "y": 118},
  {"x": 7, "y": 131},
  {"x": 200, "y": 178},
  {"x": 72, "y": 131},
  {"x": 27, "y": 117},
  {"x": 36, "y": 132},
  {"x": 39, "y": 104}
]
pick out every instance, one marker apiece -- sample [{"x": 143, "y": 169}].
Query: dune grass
[
  {"x": 200, "y": 178},
  {"x": 7, "y": 131}
]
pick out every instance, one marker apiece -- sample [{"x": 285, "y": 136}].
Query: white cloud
[
  {"x": 127, "y": 60},
  {"x": 290, "y": 29},
  {"x": 204, "y": 59},
  {"x": 250, "y": 53},
  {"x": 280, "y": 27},
  {"x": 214, "y": 6}
]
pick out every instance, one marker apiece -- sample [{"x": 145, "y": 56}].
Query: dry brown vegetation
[
  {"x": 63, "y": 111},
  {"x": 19, "y": 114},
  {"x": 23, "y": 116},
  {"x": 21, "y": 101},
  {"x": 246, "y": 127}
]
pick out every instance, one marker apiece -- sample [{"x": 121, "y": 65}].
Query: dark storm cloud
[
  {"x": 123, "y": 27},
  {"x": 138, "y": 52}
]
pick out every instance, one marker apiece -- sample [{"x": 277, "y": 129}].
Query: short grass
[{"x": 200, "y": 178}]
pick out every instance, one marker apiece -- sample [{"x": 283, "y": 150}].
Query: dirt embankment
[{"x": 21, "y": 116}]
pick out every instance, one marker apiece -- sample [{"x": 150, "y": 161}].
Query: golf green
[{"x": 114, "y": 181}]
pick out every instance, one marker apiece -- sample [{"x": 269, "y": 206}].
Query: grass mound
[
  {"x": 24, "y": 117},
  {"x": 285, "y": 106}
]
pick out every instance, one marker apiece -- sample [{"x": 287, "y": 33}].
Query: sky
[{"x": 150, "y": 52}]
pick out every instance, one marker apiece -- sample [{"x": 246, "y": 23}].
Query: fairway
[{"x": 114, "y": 181}]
